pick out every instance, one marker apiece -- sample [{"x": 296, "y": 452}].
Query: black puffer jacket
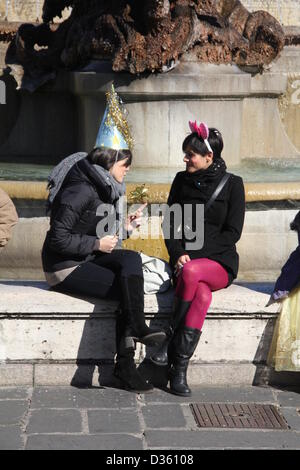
[
  {"x": 223, "y": 222},
  {"x": 73, "y": 222}
]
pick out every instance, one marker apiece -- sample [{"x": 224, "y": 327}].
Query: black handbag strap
[{"x": 217, "y": 191}]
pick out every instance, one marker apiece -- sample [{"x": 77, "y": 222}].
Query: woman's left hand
[
  {"x": 134, "y": 220},
  {"x": 180, "y": 262}
]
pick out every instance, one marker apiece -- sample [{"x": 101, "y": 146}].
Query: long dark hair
[
  {"x": 107, "y": 157},
  {"x": 196, "y": 144}
]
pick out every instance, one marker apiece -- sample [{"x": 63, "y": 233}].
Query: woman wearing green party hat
[{"x": 81, "y": 258}]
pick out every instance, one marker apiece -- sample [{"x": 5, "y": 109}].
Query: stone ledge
[
  {"x": 189, "y": 79},
  {"x": 35, "y": 299},
  {"x": 48, "y": 338},
  {"x": 158, "y": 192}
]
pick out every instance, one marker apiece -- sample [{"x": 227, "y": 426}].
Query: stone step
[
  {"x": 49, "y": 338},
  {"x": 34, "y": 298}
]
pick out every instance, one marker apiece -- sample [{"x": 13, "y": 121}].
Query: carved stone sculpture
[{"x": 143, "y": 36}]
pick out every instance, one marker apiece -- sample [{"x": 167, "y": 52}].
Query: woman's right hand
[
  {"x": 106, "y": 244},
  {"x": 180, "y": 262}
]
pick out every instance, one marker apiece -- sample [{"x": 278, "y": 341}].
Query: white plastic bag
[{"x": 157, "y": 274}]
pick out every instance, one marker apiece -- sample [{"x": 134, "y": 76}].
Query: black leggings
[{"x": 100, "y": 277}]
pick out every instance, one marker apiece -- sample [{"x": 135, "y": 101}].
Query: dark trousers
[{"x": 102, "y": 278}]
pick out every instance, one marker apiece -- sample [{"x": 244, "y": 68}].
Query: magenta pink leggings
[{"x": 197, "y": 279}]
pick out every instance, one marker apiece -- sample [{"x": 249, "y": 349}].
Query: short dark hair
[
  {"x": 295, "y": 225},
  {"x": 197, "y": 145},
  {"x": 107, "y": 157}
]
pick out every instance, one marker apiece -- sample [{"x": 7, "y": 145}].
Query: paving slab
[
  {"x": 112, "y": 419},
  {"x": 241, "y": 394},
  {"x": 292, "y": 416},
  {"x": 12, "y": 411},
  {"x": 289, "y": 398},
  {"x": 222, "y": 439},
  {"x": 99, "y": 442},
  {"x": 85, "y": 375},
  {"x": 53, "y": 421},
  {"x": 11, "y": 438},
  {"x": 70, "y": 397},
  {"x": 109, "y": 421},
  {"x": 164, "y": 416}
]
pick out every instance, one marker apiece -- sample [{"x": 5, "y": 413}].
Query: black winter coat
[
  {"x": 223, "y": 223},
  {"x": 73, "y": 222}
]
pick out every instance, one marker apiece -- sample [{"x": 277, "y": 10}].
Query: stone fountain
[
  {"x": 214, "y": 60},
  {"x": 238, "y": 69}
]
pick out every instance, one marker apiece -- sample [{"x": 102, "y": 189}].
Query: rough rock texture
[{"x": 147, "y": 36}]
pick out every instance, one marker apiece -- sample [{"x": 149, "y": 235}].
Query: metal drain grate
[{"x": 238, "y": 415}]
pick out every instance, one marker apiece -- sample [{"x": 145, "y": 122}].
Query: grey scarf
[{"x": 117, "y": 189}]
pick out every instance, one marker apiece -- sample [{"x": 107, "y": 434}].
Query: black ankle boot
[
  {"x": 184, "y": 343},
  {"x": 181, "y": 307},
  {"x": 133, "y": 303},
  {"x": 132, "y": 380},
  {"x": 125, "y": 368}
]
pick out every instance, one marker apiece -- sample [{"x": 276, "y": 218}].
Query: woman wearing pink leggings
[{"x": 200, "y": 271}]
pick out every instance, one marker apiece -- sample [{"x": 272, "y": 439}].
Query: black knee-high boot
[
  {"x": 125, "y": 368},
  {"x": 181, "y": 307},
  {"x": 184, "y": 344},
  {"x": 133, "y": 303}
]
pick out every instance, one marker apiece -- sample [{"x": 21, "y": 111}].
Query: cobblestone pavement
[{"x": 111, "y": 419}]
